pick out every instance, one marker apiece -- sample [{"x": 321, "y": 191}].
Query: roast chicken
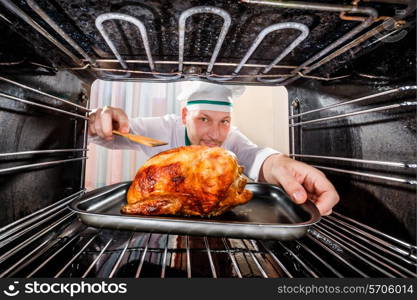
[{"x": 188, "y": 181}]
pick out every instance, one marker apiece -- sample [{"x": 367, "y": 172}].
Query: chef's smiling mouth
[{"x": 210, "y": 144}]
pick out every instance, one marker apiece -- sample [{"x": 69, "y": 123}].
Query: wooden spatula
[{"x": 141, "y": 139}]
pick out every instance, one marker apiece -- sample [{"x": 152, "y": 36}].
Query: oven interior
[{"x": 350, "y": 71}]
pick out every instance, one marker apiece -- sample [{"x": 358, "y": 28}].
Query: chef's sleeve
[{"x": 249, "y": 154}]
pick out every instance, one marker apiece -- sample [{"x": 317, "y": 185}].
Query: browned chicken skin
[{"x": 191, "y": 181}]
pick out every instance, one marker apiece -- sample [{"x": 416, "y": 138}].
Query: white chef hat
[{"x": 199, "y": 95}]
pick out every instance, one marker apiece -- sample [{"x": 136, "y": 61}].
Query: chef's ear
[{"x": 184, "y": 112}]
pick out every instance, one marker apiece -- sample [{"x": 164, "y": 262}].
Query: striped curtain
[{"x": 106, "y": 166}]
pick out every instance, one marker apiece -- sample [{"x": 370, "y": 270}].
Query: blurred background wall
[{"x": 261, "y": 113}]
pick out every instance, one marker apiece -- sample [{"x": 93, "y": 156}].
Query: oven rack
[
  {"x": 79, "y": 112},
  {"x": 296, "y": 121},
  {"x": 54, "y": 243}
]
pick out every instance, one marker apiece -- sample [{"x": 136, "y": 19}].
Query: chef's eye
[
  {"x": 204, "y": 119},
  {"x": 226, "y": 122}
]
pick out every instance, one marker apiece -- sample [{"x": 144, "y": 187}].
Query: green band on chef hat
[
  {"x": 208, "y": 96},
  {"x": 209, "y": 105}
]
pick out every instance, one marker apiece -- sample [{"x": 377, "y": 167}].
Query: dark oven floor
[{"x": 54, "y": 243}]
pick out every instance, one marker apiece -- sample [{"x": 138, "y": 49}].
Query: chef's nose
[{"x": 214, "y": 132}]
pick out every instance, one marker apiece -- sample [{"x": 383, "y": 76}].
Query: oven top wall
[{"x": 262, "y": 42}]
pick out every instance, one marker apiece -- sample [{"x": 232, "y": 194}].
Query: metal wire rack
[
  {"x": 53, "y": 243},
  {"x": 331, "y": 159},
  {"x": 79, "y": 112}
]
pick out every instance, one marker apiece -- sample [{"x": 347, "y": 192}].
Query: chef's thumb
[
  {"x": 295, "y": 190},
  {"x": 124, "y": 128}
]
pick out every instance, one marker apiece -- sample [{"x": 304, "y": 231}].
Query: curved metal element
[
  {"x": 303, "y": 35},
  {"x": 142, "y": 29},
  {"x": 368, "y": 22},
  {"x": 371, "y": 12},
  {"x": 122, "y": 17},
  {"x": 203, "y": 10},
  {"x": 356, "y": 42},
  {"x": 287, "y": 25}
]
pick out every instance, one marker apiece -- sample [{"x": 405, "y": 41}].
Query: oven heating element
[{"x": 260, "y": 76}]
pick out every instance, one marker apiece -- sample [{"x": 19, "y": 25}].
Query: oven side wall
[
  {"x": 26, "y": 127},
  {"x": 386, "y": 135}
]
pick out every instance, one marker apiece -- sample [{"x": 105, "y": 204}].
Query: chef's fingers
[
  {"x": 326, "y": 201},
  {"x": 322, "y": 190},
  {"x": 102, "y": 119},
  {"x": 121, "y": 120},
  {"x": 91, "y": 128},
  {"x": 107, "y": 122},
  {"x": 98, "y": 123},
  {"x": 292, "y": 186}
]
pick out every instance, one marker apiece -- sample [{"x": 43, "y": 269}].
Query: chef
[{"x": 206, "y": 120}]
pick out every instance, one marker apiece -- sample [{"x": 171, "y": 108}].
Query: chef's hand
[
  {"x": 103, "y": 120},
  {"x": 300, "y": 181}
]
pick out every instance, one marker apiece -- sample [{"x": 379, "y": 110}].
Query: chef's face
[{"x": 206, "y": 127}]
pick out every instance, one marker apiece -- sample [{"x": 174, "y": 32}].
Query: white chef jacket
[{"x": 170, "y": 129}]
